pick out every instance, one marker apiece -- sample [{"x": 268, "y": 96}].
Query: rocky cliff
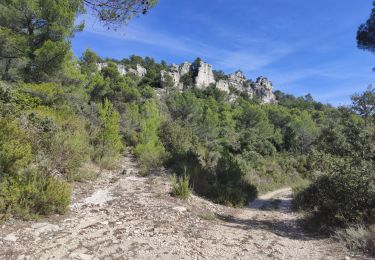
[
  {"x": 205, "y": 76},
  {"x": 201, "y": 76},
  {"x": 124, "y": 70}
]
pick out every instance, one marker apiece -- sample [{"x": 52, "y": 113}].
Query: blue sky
[{"x": 303, "y": 46}]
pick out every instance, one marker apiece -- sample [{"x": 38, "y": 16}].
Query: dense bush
[
  {"x": 341, "y": 197},
  {"x": 29, "y": 194}
]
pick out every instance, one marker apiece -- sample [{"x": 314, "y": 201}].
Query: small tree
[
  {"x": 304, "y": 131},
  {"x": 364, "y": 104},
  {"x": 109, "y": 143},
  {"x": 89, "y": 61}
]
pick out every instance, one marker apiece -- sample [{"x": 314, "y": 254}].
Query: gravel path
[{"x": 122, "y": 216}]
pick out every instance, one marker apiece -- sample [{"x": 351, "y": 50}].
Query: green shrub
[
  {"x": 60, "y": 138},
  {"x": 237, "y": 195},
  {"x": 181, "y": 187},
  {"x": 209, "y": 216},
  {"x": 149, "y": 149},
  {"x": 108, "y": 143},
  {"x": 299, "y": 186},
  {"x": 31, "y": 194},
  {"x": 342, "y": 197},
  {"x": 15, "y": 149},
  {"x": 67, "y": 152}
]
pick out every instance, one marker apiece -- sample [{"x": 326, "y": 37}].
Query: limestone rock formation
[
  {"x": 202, "y": 76},
  {"x": 205, "y": 75},
  {"x": 263, "y": 89},
  {"x": 184, "y": 68},
  {"x": 237, "y": 81},
  {"x": 139, "y": 71},
  {"x": 223, "y": 85},
  {"x": 123, "y": 70},
  {"x": 102, "y": 65}
]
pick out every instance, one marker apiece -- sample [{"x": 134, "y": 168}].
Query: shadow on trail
[
  {"x": 284, "y": 228},
  {"x": 281, "y": 205}
]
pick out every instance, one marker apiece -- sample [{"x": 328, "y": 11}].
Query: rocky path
[{"x": 122, "y": 216}]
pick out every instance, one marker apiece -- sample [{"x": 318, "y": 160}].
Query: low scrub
[
  {"x": 181, "y": 187},
  {"x": 358, "y": 238},
  {"x": 32, "y": 194}
]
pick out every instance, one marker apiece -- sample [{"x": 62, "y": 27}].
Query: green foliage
[
  {"x": 177, "y": 140},
  {"x": 34, "y": 37},
  {"x": 15, "y": 149},
  {"x": 344, "y": 196},
  {"x": 364, "y": 104},
  {"x": 149, "y": 148},
  {"x": 365, "y": 34},
  {"x": 32, "y": 194},
  {"x": 89, "y": 62},
  {"x": 302, "y": 132},
  {"x": 181, "y": 187},
  {"x": 108, "y": 143}
]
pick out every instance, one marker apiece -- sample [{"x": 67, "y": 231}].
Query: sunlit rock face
[
  {"x": 263, "y": 89},
  {"x": 223, "y": 85},
  {"x": 202, "y": 76},
  {"x": 139, "y": 71},
  {"x": 102, "y": 65},
  {"x": 205, "y": 76},
  {"x": 184, "y": 68},
  {"x": 123, "y": 70},
  {"x": 237, "y": 80}
]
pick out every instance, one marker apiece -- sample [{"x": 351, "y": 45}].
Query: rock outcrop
[
  {"x": 123, "y": 70},
  {"x": 205, "y": 76},
  {"x": 238, "y": 82},
  {"x": 139, "y": 71},
  {"x": 176, "y": 72},
  {"x": 201, "y": 76},
  {"x": 102, "y": 65},
  {"x": 263, "y": 89},
  {"x": 185, "y": 68}
]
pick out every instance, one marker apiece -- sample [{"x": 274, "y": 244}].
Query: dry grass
[{"x": 357, "y": 238}]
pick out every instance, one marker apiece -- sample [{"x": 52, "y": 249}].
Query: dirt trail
[{"x": 122, "y": 216}]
